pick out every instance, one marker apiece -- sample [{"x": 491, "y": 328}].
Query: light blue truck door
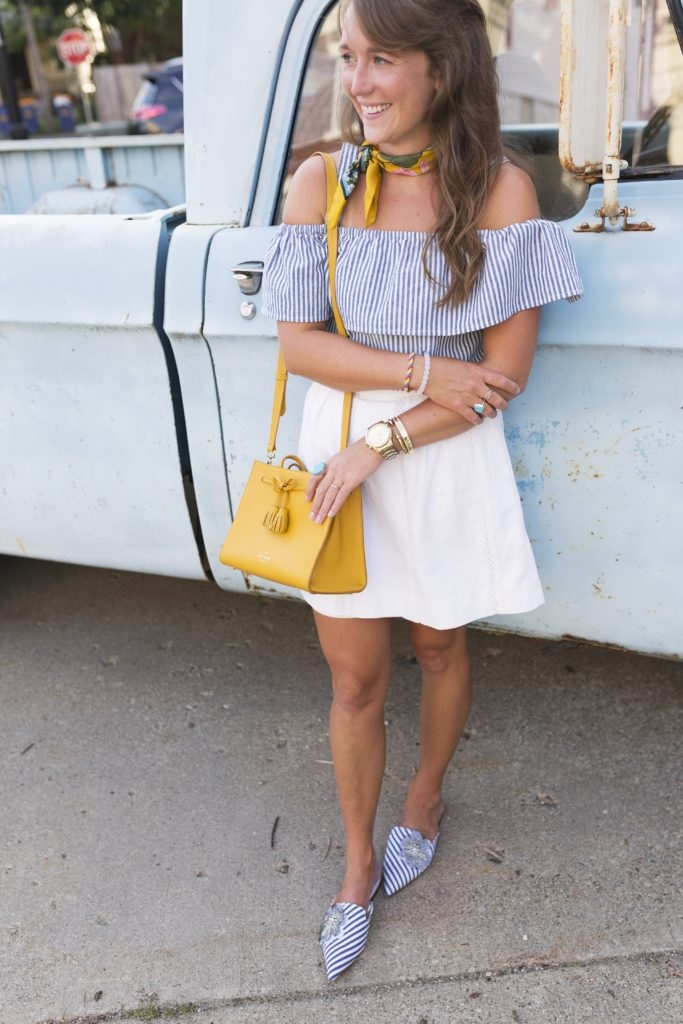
[
  {"x": 225, "y": 348},
  {"x": 227, "y": 363}
]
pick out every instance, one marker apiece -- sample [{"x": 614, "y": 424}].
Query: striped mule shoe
[
  {"x": 407, "y": 855},
  {"x": 344, "y": 932}
]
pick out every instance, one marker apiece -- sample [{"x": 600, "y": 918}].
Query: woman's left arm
[{"x": 509, "y": 348}]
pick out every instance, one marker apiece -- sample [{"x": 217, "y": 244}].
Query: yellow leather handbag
[{"x": 272, "y": 535}]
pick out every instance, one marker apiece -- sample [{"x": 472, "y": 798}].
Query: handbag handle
[{"x": 279, "y": 397}]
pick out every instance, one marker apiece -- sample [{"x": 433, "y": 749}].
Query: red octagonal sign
[{"x": 73, "y": 46}]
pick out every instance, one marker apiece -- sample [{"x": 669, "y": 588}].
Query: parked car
[{"x": 158, "y": 106}]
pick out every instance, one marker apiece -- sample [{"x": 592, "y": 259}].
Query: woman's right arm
[{"x": 311, "y": 351}]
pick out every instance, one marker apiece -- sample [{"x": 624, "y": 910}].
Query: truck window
[
  {"x": 653, "y": 102},
  {"x": 525, "y": 37}
]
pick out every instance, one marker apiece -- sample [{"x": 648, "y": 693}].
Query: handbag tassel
[{"x": 276, "y": 518}]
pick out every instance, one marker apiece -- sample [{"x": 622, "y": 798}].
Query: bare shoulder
[
  {"x": 513, "y": 199},
  {"x": 306, "y": 201}
]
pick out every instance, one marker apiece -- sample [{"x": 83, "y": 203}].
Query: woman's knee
[
  {"x": 355, "y": 691},
  {"x": 440, "y": 650},
  {"x": 358, "y": 653}
]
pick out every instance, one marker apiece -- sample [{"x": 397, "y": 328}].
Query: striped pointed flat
[
  {"x": 407, "y": 855},
  {"x": 344, "y": 933}
]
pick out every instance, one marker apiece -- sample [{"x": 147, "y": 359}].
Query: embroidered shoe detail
[
  {"x": 417, "y": 851},
  {"x": 333, "y": 923},
  {"x": 407, "y": 855}
]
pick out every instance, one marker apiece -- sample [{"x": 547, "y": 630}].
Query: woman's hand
[
  {"x": 458, "y": 385},
  {"x": 344, "y": 472}
]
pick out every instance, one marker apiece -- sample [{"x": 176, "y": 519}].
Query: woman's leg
[
  {"x": 444, "y": 708},
  {"x": 358, "y": 652}
]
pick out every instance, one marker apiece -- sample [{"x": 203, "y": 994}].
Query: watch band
[{"x": 387, "y": 451}]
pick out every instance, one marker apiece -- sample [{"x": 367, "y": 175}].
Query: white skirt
[{"x": 445, "y": 541}]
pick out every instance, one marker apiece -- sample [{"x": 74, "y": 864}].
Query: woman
[{"x": 442, "y": 265}]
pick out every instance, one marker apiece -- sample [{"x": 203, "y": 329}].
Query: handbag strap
[
  {"x": 279, "y": 397},
  {"x": 332, "y": 239}
]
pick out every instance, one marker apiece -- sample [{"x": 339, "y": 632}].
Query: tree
[
  {"x": 149, "y": 31},
  {"x": 134, "y": 30},
  {"x": 47, "y": 18}
]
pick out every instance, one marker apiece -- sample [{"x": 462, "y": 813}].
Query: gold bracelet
[{"x": 402, "y": 435}]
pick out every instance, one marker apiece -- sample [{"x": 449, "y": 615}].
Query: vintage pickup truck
[{"x": 136, "y": 366}]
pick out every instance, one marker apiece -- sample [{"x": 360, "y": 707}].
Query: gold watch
[{"x": 379, "y": 436}]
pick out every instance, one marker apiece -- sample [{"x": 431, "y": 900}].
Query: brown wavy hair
[{"x": 463, "y": 118}]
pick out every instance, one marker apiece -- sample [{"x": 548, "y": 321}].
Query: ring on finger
[
  {"x": 479, "y": 408},
  {"x": 335, "y": 487},
  {"x": 488, "y": 394},
  {"x": 320, "y": 469}
]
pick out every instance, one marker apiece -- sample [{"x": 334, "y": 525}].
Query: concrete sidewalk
[{"x": 170, "y": 834}]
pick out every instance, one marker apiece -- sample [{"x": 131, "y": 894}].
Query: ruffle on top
[{"x": 382, "y": 288}]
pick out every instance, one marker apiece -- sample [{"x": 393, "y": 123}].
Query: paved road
[{"x": 169, "y": 832}]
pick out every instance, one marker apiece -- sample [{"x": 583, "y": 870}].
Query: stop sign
[{"x": 73, "y": 46}]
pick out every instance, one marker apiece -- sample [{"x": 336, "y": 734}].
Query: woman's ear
[{"x": 436, "y": 78}]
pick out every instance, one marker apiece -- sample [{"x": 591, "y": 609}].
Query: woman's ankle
[
  {"x": 423, "y": 809},
  {"x": 360, "y": 880}
]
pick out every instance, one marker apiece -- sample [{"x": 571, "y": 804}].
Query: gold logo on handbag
[{"x": 272, "y": 535}]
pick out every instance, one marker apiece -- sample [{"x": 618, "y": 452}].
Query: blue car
[{"x": 158, "y": 106}]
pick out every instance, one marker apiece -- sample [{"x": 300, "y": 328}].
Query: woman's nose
[{"x": 360, "y": 83}]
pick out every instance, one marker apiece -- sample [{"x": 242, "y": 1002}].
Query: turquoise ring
[
  {"x": 320, "y": 469},
  {"x": 479, "y": 407}
]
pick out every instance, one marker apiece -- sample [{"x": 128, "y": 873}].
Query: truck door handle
[{"x": 248, "y": 276}]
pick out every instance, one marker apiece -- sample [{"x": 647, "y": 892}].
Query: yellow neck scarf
[{"x": 371, "y": 163}]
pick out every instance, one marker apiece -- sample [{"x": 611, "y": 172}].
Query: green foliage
[
  {"x": 48, "y": 19},
  {"x": 148, "y": 30}
]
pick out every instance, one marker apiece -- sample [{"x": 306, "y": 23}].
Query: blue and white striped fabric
[
  {"x": 344, "y": 933},
  {"x": 408, "y": 854},
  {"x": 386, "y": 300}
]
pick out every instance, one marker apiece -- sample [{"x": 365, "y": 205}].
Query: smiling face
[{"x": 391, "y": 92}]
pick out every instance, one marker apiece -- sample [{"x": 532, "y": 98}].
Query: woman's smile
[{"x": 373, "y": 111}]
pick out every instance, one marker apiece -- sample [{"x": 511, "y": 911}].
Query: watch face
[{"x": 378, "y": 434}]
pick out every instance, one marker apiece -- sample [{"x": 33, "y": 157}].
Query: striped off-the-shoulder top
[{"x": 387, "y": 301}]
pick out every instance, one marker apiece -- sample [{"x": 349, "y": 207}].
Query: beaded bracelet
[
  {"x": 409, "y": 373},
  {"x": 425, "y": 375}
]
